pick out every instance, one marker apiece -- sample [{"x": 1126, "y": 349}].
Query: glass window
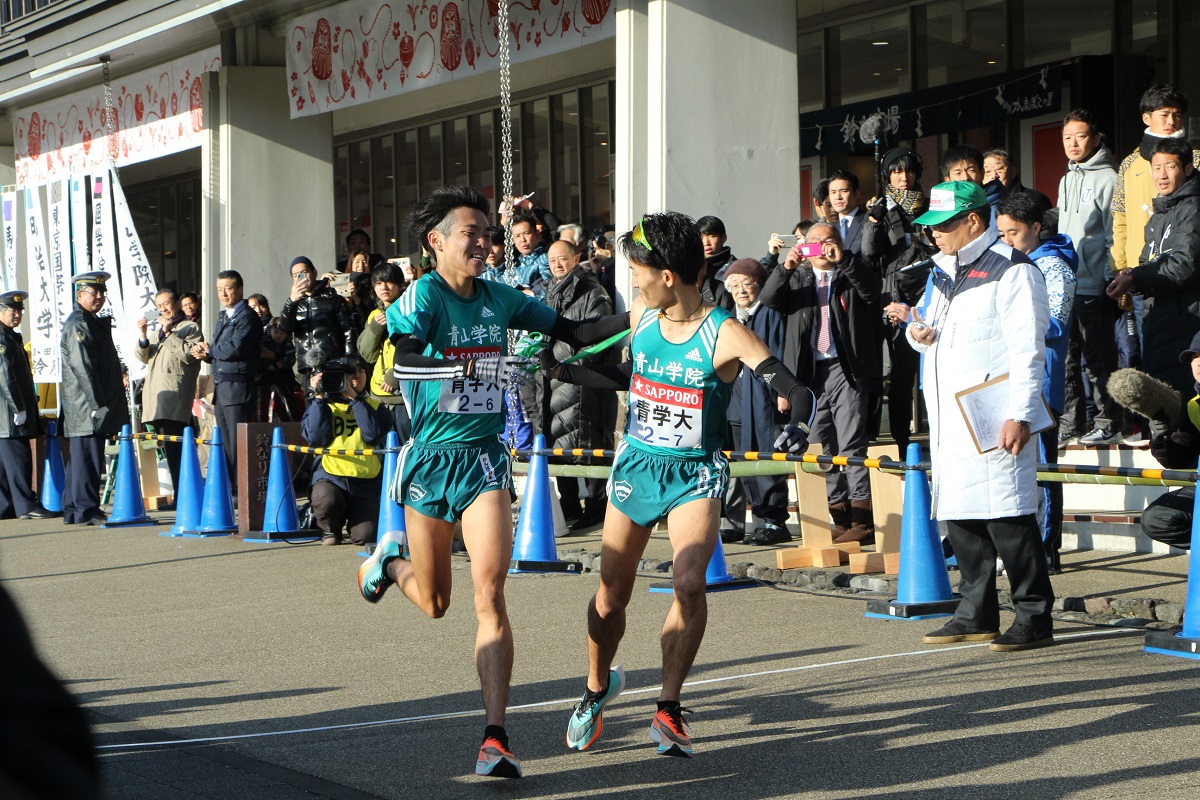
[
  {"x": 810, "y": 63},
  {"x": 360, "y": 190},
  {"x": 480, "y": 144},
  {"x": 429, "y": 139},
  {"x": 1141, "y": 36},
  {"x": 535, "y": 153},
  {"x": 962, "y": 39},
  {"x": 1068, "y": 28},
  {"x": 455, "y": 136},
  {"x": 564, "y": 110},
  {"x": 384, "y": 238},
  {"x": 341, "y": 190},
  {"x": 597, "y": 180},
  {"x": 872, "y": 57},
  {"x": 187, "y": 257},
  {"x": 170, "y": 235},
  {"x": 406, "y": 186}
]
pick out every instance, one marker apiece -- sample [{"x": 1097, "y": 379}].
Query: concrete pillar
[
  {"x": 707, "y": 108},
  {"x": 266, "y": 180}
]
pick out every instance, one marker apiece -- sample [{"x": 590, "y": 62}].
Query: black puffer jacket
[
  {"x": 91, "y": 377},
  {"x": 16, "y": 388},
  {"x": 323, "y": 327},
  {"x": 1168, "y": 273},
  {"x": 580, "y": 417}
]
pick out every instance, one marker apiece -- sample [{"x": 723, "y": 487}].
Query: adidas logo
[
  {"x": 487, "y": 312},
  {"x": 694, "y": 355}
]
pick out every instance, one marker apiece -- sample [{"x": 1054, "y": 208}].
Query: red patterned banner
[{"x": 364, "y": 50}]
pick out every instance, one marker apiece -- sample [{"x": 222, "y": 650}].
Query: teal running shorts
[
  {"x": 443, "y": 480},
  {"x": 646, "y": 487}
]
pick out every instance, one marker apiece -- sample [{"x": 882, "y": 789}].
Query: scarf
[
  {"x": 744, "y": 314},
  {"x": 1146, "y": 148},
  {"x": 911, "y": 200}
]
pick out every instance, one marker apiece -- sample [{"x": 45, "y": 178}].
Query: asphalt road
[{"x": 216, "y": 669}]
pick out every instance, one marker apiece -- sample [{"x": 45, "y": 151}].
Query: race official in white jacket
[{"x": 985, "y": 315}]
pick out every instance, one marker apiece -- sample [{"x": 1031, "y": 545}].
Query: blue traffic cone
[
  {"x": 533, "y": 544},
  {"x": 216, "y": 517},
  {"x": 54, "y": 476},
  {"x": 923, "y": 587},
  {"x": 1184, "y": 643},
  {"x": 716, "y": 577},
  {"x": 128, "y": 506},
  {"x": 189, "y": 494},
  {"x": 281, "y": 522},
  {"x": 391, "y": 513}
]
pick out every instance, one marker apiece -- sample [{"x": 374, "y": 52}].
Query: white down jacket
[{"x": 990, "y": 310}]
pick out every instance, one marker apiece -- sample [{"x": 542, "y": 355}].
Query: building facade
[{"x": 247, "y": 132}]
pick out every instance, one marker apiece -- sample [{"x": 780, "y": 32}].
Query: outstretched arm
[{"x": 736, "y": 342}]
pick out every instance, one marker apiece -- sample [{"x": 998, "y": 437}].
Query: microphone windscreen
[{"x": 1145, "y": 395}]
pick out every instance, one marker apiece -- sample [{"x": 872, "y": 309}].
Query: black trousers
[
  {"x": 81, "y": 492},
  {"x": 906, "y": 363},
  {"x": 1169, "y": 518},
  {"x": 17, "y": 495},
  {"x": 172, "y": 450},
  {"x": 335, "y": 509},
  {"x": 1091, "y": 337},
  {"x": 228, "y": 415},
  {"x": 1052, "y": 492},
  {"x": 1018, "y": 540},
  {"x": 768, "y": 494}
]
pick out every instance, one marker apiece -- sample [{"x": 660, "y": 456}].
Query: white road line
[{"x": 571, "y": 700}]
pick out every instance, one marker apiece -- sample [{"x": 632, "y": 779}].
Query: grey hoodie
[{"x": 1085, "y": 214}]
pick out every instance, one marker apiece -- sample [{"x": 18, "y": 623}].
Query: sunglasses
[{"x": 639, "y": 235}]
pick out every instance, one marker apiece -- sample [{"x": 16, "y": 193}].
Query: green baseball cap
[{"x": 948, "y": 200}]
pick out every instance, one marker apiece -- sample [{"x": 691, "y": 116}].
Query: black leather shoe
[
  {"x": 40, "y": 513},
  {"x": 731, "y": 535},
  {"x": 95, "y": 517},
  {"x": 768, "y": 534}
]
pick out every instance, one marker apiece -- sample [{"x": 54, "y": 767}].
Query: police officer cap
[
  {"x": 93, "y": 279},
  {"x": 14, "y": 300}
]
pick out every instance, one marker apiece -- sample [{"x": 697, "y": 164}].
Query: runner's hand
[
  {"x": 793, "y": 440},
  {"x": 499, "y": 370}
]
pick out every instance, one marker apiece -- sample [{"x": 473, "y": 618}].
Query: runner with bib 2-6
[
  {"x": 685, "y": 355},
  {"x": 450, "y": 332}
]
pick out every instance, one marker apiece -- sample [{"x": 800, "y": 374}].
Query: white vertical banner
[
  {"x": 8, "y": 200},
  {"x": 58, "y": 242},
  {"x": 79, "y": 240},
  {"x": 104, "y": 258},
  {"x": 43, "y": 343},
  {"x": 137, "y": 282}
]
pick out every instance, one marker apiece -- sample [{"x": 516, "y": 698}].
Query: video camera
[{"x": 335, "y": 375}]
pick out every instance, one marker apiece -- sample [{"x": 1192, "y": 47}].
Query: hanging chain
[
  {"x": 110, "y": 117},
  {"x": 506, "y": 144}
]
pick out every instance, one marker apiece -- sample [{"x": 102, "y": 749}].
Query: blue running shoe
[
  {"x": 587, "y": 719},
  {"x": 373, "y": 579},
  {"x": 670, "y": 733},
  {"x": 496, "y": 760}
]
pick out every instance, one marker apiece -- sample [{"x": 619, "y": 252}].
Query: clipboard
[{"x": 984, "y": 409}]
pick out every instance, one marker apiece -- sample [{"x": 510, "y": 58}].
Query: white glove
[
  {"x": 499, "y": 370},
  {"x": 100, "y": 413},
  {"x": 19, "y": 418},
  {"x": 794, "y": 439}
]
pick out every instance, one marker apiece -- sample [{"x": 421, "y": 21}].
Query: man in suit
[
  {"x": 171, "y": 381},
  {"x": 233, "y": 353},
  {"x": 18, "y": 416},
  {"x": 94, "y": 405},
  {"x": 844, "y": 197}
]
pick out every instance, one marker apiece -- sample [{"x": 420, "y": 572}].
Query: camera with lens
[{"x": 335, "y": 376}]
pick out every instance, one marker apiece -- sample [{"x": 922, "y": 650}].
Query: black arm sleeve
[
  {"x": 801, "y": 398},
  {"x": 583, "y": 332},
  {"x": 614, "y": 377},
  {"x": 410, "y": 365}
]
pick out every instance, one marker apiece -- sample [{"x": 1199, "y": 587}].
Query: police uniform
[
  {"x": 345, "y": 489},
  {"x": 94, "y": 404},
  {"x": 19, "y": 421},
  {"x": 675, "y": 428},
  {"x": 455, "y": 453}
]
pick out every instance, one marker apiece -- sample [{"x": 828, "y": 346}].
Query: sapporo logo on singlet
[{"x": 664, "y": 415}]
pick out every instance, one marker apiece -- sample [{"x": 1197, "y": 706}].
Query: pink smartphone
[{"x": 808, "y": 249}]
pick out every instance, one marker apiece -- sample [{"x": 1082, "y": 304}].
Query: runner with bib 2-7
[
  {"x": 450, "y": 332},
  {"x": 685, "y": 355}
]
